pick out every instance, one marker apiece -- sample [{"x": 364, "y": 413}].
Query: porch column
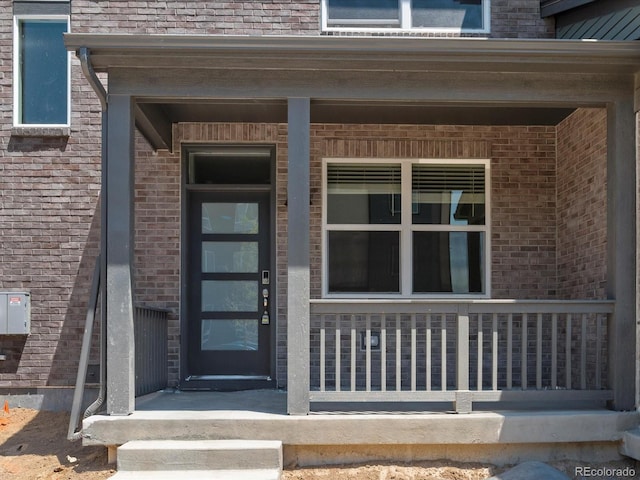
[
  {"x": 298, "y": 256},
  {"x": 118, "y": 198},
  {"x": 621, "y": 254}
]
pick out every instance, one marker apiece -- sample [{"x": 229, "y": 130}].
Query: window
[
  {"x": 41, "y": 71},
  {"x": 468, "y": 16},
  {"x": 406, "y": 227}
]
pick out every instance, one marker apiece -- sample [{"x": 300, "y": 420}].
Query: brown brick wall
[
  {"x": 509, "y": 18},
  {"x": 49, "y": 192},
  {"x": 519, "y": 19},
  {"x": 582, "y": 205},
  {"x": 523, "y": 206},
  {"x": 276, "y": 17}
]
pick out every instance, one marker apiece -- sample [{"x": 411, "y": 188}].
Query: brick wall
[
  {"x": 523, "y": 206},
  {"x": 49, "y": 192},
  {"x": 509, "y": 18},
  {"x": 275, "y": 17},
  {"x": 519, "y": 19},
  {"x": 582, "y": 205}
]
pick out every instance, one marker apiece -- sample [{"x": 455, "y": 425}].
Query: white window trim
[
  {"x": 17, "y": 80},
  {"x": 406, "y": 228},
  {"x": 405, "y": 22}
]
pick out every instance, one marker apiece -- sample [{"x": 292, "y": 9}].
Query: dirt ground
[{"x": 33, "y": 446}]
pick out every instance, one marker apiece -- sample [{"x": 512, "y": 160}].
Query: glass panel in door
[{"x": 229, "y": 306}]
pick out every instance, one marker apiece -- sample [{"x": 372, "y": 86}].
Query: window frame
[
  {"x": 406, "y": 229},
  {"x": 405, "y": 22},
  {"x": 17, "y": 78}
]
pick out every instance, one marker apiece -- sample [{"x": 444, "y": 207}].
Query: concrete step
[
  {"x": 199, "y": 475},
  {"x": 631, "y": 444},
  {"x": 200, "y": 455}
]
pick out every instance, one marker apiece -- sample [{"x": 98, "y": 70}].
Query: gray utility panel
[{"x": 15, "y": 313}]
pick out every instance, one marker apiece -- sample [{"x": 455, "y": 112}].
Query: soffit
[{"x": 328, "y": 111}]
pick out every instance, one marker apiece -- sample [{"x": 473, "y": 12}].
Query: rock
[{"x": 531, "y": 471}]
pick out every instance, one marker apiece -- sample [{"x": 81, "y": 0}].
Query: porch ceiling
[
  {"x": 155, "y": 117},
  {"x": 327, "y": 111}
]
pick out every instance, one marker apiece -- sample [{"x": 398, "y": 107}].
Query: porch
[{"x": 357, "y": 353}]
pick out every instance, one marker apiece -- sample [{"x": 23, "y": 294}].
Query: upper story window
[
  {"x": 452, "y": 16},
  {"x": 406, "y": 228},
  {"x": 41, "y": 71}
]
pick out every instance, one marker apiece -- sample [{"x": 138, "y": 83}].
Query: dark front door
[{"x": 229, "y": 290}]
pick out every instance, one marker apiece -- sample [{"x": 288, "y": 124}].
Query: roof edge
[
  {"x": 74, "y": 41},
  {"x": 445, "y": 50}
]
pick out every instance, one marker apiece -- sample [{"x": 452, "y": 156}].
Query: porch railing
[
  {"x": 461, "y": 352},
  {"x": 150, "y": 327}
]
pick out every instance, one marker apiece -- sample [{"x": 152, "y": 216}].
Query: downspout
[{"x": 99, "y": 283}]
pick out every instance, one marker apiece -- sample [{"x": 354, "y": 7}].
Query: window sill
[{"x": 41, "y": 131}]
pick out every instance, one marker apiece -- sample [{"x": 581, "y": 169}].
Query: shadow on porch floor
[{"x": 275, "y": 402}]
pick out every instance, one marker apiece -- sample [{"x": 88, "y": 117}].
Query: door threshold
[
  {"x": 227, "y": 383},
  {"x": 228, "y": 377}
]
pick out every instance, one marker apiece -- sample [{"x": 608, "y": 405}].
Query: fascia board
[{"x": 184, "y": 51}]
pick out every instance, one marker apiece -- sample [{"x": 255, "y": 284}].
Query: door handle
[{"x": 265, "y": 303}]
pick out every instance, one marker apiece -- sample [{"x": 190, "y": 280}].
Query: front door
[{"x": 229, "y": 290}]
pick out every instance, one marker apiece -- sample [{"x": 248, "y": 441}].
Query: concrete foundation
[
  {"x": 504, "y": 437},
  {"x": 499, "y": 455},
  {"x": 56, "y": 399}
]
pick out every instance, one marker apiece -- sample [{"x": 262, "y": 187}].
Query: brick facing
[
  {"x": 582, "y": 205},
  {"x": 50, "y": 186}
]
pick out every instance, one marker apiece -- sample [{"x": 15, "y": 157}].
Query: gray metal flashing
[{"x": 356, "y": 53}]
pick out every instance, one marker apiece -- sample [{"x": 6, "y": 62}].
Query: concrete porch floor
[{"x": 501, "y": 437}]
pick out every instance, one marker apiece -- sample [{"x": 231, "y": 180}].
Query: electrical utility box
[{"x": 15, "y": 313}]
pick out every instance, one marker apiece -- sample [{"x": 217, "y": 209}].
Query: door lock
[{"x": 265, "y": 304}]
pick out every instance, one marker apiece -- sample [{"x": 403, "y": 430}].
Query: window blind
[
  {"x": 344, "y": 178},
  {"x": 470, "y": 179}
]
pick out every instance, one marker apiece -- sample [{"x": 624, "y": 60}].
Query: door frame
[{"x": 231, "y": 382}]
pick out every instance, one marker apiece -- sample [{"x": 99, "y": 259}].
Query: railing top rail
[{"x": 440, "y": 306}]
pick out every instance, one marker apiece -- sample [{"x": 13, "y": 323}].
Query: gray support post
[
  {"x": 621, "y": 254},
  {"x": 119, "y": 189},
  {"x": 462, "y": 402},
  {"x": 298, "y": 310}
]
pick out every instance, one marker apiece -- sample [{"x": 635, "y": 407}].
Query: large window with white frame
[
  {"x": 406, "y": 227},
  {"x": 450, "y": 16},
  {"x": 41, "y": 71}
]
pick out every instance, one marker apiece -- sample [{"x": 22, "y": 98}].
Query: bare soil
[{"x": 33, "y": 446}]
